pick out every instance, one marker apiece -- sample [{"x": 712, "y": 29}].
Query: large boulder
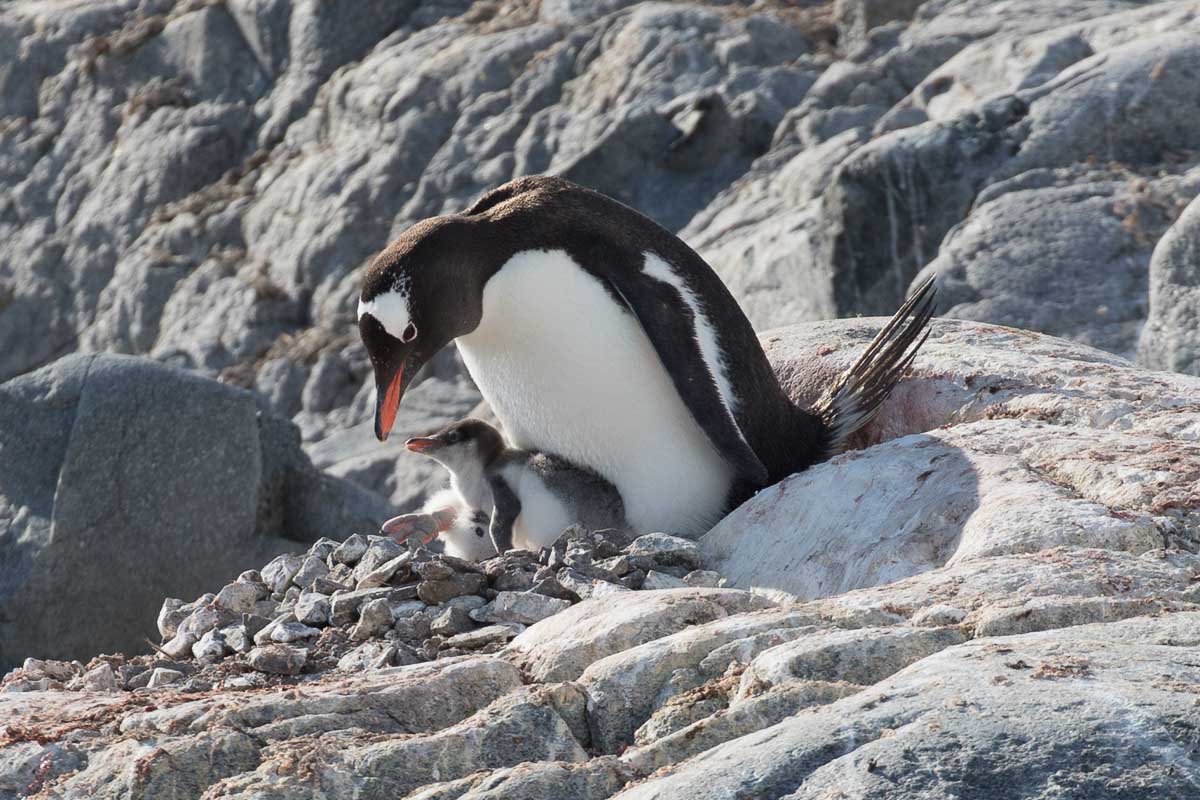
[
  {"x": 126, "y": 480},
  {"x": 1000, "y": 442},
  {"x": 1014, "y": 717},
  {"x": 1171, "y": 338}
]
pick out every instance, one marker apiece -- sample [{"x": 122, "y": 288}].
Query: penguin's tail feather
[{"x": 856, "y": 396}]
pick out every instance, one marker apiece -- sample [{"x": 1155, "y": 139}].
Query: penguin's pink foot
[{"x": 422, "y": 528}]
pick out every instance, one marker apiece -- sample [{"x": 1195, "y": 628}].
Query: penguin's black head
[
  {"x": 459, "y": 443},
  {"x": 418, "y": 295}
]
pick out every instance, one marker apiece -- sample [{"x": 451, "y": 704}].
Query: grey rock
[
  {"x": 375, "y": 617},
  {"x": 660, "y": 580},
  {"x": 522, "y": 607},
  {"x": 237, "y": 638},
  {"x": 662, "y": 549},
  {"x": 369, "y": 655},
  {"x": 1170, "y": 339},
  {"x": 433, "y": 592},
  {"x": 414, "y": 627},
  {"x": 279, "y": 573},
  {"x": 406, "y": 608},
  {"x": 380, "y": 550},
  {"x": 161, "y": 677},
  {"x": 344, "y": 606},
  {"x": 351, "y": 550},
  {"x": 289, "y": 632},
  {"x": 312, "y": 609},
  {"x": 100, "y": 679},
  {"x": 263, "y": 635},
  {"x": 452, "y": 620},
  {"x": 382, "y": 574},
  {"x": 224, "y": 478},
  {"x": 561, "y": 647},
  {"x": 959, "y": 694},
  {"x": 169, "y": 617},
  {"x": 278, "y": 659},
  {"x": 702, "y": 577},
  {"x": 983, "y": 494},
  {"x": 467, "y": 602},
  {"x": 855, "y": 18},
  {"x": 311, "y": 569},
  {"x": 1098, "y": 228},
  {"x": 237, "y": 598},
  {"x": 481, "y": 637},
  {"x": 180, "y": 645},
  {"x": 210, "y": 648}
]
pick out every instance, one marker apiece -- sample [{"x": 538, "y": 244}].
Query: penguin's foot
[{"x": 421, "y": 528}]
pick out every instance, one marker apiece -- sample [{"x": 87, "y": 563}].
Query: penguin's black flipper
[
  {"x": 856, "y": 396},
  {"x": 670, "y": 324},
  {"x": 506, "y": 508}
]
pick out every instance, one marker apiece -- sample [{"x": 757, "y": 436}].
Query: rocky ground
[
  {"x": 1001, "y": 599},
  {"x": 996, "y": 594}
]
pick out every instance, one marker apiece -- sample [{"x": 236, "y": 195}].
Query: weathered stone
[
  {"x": 481, "y": 637},
  {"x": 169, "y": 617},
  {"x": 279, "y": 573},
  {"x": 375, "y": 617},
  {"x": 660, "y": 580},
  {"x": 380, "y": 550},
  {"x": 657, "y": 550},
  {"x": 311, "y": 569},
  {"x": 210, "y": 648},
  {"x": 162, "y": 677},
  {"x": 562, "y": 646},
  {"x": 989, "y": 700},
  {"x": 523, "y": 607},
  {"x": 344, "y": 606},
  {"x": 434, "y": 592},
  {"x": 451, "y": 620},
  {"x": 703, "y": 577},
  {"x": 351, "y": 550},
  {"x": 292, "y": 631},
  {"x": 312, "y": 609},
  {"x": 384, "y": 573},
  {"x": 237, "y": 598},
  {"x": 100, "y": 679},
  {"x": 279, "y": 659}
]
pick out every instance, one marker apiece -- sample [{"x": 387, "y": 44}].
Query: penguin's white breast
[{"x": 569, "y": 371}]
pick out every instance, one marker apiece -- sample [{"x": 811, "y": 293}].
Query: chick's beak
[{"x": 422, "y": 444}]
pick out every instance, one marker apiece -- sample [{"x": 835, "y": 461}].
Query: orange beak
[
  {"x": 388, "y": 406},
  {"x": 421, "y": 443}
]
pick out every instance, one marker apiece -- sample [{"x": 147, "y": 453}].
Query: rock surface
[
  {"x": 126, "y": 480},
  {"x": 1000, "y": 591},
  {"x": 997, "y": 597}
]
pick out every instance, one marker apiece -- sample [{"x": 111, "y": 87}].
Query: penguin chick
[
  {"x": 529, "y": 497},
  {"x": 463, "y": 530}
]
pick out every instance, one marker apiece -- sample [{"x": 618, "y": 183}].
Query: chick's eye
[
  {"x": 453, "y": 437},
  {"x": 409, "y": 333}
]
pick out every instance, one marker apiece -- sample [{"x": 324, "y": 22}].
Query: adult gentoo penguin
[{"x": 597, "y": 335}]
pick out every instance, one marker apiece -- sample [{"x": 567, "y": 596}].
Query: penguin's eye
[
  {"x": 453, "y": 437},
  {"x": 409, "y": 333},
  {"x": 479, "y": 531}
]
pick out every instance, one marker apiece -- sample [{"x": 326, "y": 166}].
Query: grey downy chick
[{"x": 528, "y": 497}]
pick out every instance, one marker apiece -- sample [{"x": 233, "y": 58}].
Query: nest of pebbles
[{"x": 369, "y": 602}]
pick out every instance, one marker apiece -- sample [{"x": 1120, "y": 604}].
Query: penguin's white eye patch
[{"x": 409, "y": 333}]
